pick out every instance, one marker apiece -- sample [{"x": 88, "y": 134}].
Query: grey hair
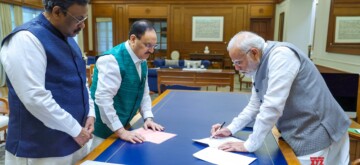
[{"x": 245, "y": 40}]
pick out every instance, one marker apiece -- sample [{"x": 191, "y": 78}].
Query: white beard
[
  {"x": 250, "y": 74},
  {"x": 252, "y": 68}
]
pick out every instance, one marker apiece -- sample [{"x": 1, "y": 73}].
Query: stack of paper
[
  {"x": 154, "y": 136},
  {"x": 213, "y": 155}
]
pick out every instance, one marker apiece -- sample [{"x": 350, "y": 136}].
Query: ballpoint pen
[{"x": 218, "y": 129}]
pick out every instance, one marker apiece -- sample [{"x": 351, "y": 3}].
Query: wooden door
[{"x": 263, "y": 27}]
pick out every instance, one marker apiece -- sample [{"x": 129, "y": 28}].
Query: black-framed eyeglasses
[{"x": 77, "y": 20}]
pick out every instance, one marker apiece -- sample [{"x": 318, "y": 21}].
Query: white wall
[
  {"x": 297, "y": 22},
  {"x": 344, "y": 62},
  {"x": 279, "y": 9},
  {"x": 300, "y": 19}
]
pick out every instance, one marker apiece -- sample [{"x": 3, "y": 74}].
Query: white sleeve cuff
[
  {"x": 115, "y": 126},
  {"x": 232, "y": 128},
  {"x": 91, "y": 112},
  {"x": 147, "y": 114},
  {"x": 75, "y": 131},
  {"x": 249, "y": 147}
]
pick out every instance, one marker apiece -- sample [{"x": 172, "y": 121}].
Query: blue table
[{"x": 190, "y": 115}]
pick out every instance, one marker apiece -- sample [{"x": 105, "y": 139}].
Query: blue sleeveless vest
[
  {"x": 65, "y": 77},
  {"x": 129, "y": 96}
]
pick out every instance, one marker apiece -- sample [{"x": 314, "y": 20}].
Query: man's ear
[
  {"x": 132, "y": 38},
  {"x": 56, "y": 11},
  {"x": 256, "y": 53}
]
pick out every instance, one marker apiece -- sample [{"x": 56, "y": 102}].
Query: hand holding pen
[{"x": 217, "y": 131}]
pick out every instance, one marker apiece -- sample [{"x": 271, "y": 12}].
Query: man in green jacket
[{"x": 120, "y": 87}]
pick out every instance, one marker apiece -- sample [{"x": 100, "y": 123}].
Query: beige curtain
[
  {"x": 18, "y": 15},
  {"x": 5, "y": 18}
]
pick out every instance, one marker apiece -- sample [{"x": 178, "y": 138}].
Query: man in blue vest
[
  {"x": 289, "y": 92},
  {"x": 51, "y": 112},
  {"x": 120, "y": 87}
]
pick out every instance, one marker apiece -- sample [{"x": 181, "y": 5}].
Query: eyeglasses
[
  {"x": 78, "y": 21},
  {"x": 238, "y": 62},
  {"x": 149, "y": 46}
]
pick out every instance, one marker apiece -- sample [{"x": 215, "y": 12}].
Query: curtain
[
  {"x": 18, "y": 15},
  {"x": 5, "y": 30}
]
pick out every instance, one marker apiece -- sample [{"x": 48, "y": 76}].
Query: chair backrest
[{"x": 181, "y": 63}]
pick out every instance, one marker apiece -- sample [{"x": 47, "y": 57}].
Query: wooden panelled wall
[
  {"x": 178, "y": 14},
  {"x": 29, "y": 3}
]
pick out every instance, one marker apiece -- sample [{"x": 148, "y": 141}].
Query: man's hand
[
  {"x": 149, "y": 123},
  {"x": 217, "y": 132},
  {"x": 83, "y": 137},
  {"x": 233, "y": 146},
  {"x": 89, "y": 125},
  {"x": 129, "y": 136}
]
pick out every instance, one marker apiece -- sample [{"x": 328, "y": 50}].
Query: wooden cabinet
[
  {"x": 148, "y": 11},
  {"x": 354, "y": 149},
  {"x": 35, "y": 3},
  {"x": 354, "y": 142},
  {"x": 29, "y": 3},
  {"x": 261, "y": 11}
]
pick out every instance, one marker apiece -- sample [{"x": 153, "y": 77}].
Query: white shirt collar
[{"x": 132, "y": 54}]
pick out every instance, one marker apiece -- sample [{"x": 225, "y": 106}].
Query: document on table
[
  {"x": 213, "y": 155},
  {"x": 154, "y": 136},
  {"x": 216, "y": 156},
  {"x": 90, "y": 162},
  {"x": 215, "y": 143}
]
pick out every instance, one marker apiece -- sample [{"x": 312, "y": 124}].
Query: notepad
[{"x": 155, "y": 136}]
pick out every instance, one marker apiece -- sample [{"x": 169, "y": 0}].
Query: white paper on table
[
  {"x": 91, "y": 162},
  {"x": 215, "y": 143},
  {"x": 154, "y": 136},
  {"x": 216, "y": 156}
]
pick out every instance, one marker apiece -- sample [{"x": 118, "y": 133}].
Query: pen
[{"x": 219, "y": 128}]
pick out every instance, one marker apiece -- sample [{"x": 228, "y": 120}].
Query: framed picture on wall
[
  {"x": 347, "y": 29},
  {"x": 343, "y": 35},
  {"x": 207, "y": 28}
]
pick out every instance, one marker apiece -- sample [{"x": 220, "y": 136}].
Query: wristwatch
[{"x": 151, "y": 118}]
